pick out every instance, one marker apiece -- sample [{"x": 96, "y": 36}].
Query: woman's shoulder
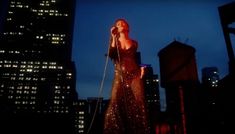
[{"x": 134, "y": 43}]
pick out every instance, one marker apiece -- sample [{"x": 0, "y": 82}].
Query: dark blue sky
[{"x": 154, "y": 24}]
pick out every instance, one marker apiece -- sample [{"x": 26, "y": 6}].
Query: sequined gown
[{"x": 126, "y": 112}]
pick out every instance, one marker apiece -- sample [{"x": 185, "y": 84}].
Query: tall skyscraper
[{"x": 37, "y": 76}]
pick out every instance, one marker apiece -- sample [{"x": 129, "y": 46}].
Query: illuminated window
[
  {"x": 81, "y": 112},
  {"x": 9, "y": 19},
  {"x": 23, "y": 62},
  {"x": 56, "y": 102},
  {"x": 52, "y": 63},
  {"x": 19, "y": 87},
  {"x": 2, "y": 51},
  {"x": 10, "y": 97},
  {"x": 29, "y": 70},
  {"x": 20, "y": 6},
  {"x": 43, "y": 79},
  {"x": 57, "y": 87},
  {"x": 13, "y": 78}
]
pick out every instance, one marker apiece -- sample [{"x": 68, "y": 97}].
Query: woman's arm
[{"x": 113, "y": 41}]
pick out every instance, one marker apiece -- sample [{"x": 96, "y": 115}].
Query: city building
[
  {"x": 91, "y": 115},
  {"x": 209, "y": 95},
  {"x": 82, "y": 116},
  {"x": 37, "y": 76},
  {"x": 226, "y": 84},
  {"x": 152, "y": 96},
  {"x": 210, "y": 76}
]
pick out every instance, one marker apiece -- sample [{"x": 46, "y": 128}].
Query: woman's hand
[
  {"x": 113, "y": 31},
  {"x": 142, "y": 71}
]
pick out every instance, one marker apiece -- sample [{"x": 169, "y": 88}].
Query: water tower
[{"x": 179, "y": 77}]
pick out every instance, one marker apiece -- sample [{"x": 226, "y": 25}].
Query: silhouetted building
[
  {"x": 96, "y": 110},
  {"x": 226, "y": 84},
  {"x": 179, "y": 77},
  {"x": 210, "y": 76},
  {"x": 82, "y": 116},
  {"x": 152, "y": 97},
  {"x": 209, "y": 100},
  {"x": 91, "y": 115},
  {"x": 138, "y": 55},
  {"x": 37, "y": 76},
  {"x": 227, "y": 17},
  {"x": 2, "y": 13}
]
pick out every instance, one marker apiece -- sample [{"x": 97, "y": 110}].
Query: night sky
[{"x": 154, "y": 24}]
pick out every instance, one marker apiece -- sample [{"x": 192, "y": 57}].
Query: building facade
[{"x": 37, "y": 76}]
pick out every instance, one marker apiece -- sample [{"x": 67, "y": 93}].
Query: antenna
[{"x": 186, "y": 41}]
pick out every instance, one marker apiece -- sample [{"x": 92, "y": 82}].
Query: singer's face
[{"x": 122, "y": 26}]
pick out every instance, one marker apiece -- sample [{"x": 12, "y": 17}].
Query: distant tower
[
  {"x": 210, "y": 76},
  {"x": 179, "y": 77},
  {"x": 227, "y": 17}
]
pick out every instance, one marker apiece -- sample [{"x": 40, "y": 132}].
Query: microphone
[{"x": 114, "y": 30}]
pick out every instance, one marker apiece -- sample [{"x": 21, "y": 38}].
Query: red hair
[{"x": 123, "y": 20}]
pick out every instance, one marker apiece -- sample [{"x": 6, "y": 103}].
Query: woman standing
[{"x": 126, "y": 112}]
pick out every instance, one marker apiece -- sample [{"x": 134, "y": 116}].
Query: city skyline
[
  {"x": 53, "y": 75},
  {"x": 154, "y": 24}
]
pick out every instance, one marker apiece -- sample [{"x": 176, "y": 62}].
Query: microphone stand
[{"x": 118, "y": 53}]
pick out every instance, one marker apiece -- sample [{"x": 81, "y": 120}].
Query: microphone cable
[{"x": 100, "y": 90}]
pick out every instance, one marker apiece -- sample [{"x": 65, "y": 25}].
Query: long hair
[{"x": 123, "y": 20}]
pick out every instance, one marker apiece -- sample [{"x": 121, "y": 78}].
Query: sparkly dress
[{"x": 126, "y": 112}]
